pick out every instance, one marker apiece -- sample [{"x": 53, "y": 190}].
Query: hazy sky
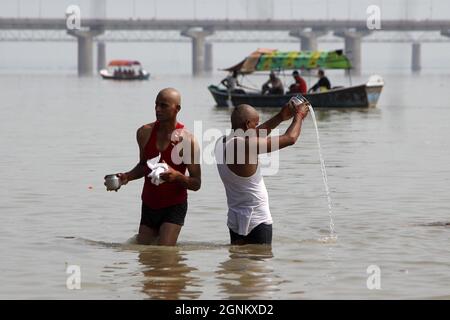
[
  {"x": 176, "y": 57},
  {"x": 220, "y": 9}
]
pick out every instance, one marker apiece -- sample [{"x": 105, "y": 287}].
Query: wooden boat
[
  {"x": 359, "y": 96},
  {"x": 124, "y": 70}
]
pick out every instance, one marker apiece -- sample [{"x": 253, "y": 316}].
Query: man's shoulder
[
  {"x": 186, "y": 134},
  {"x": 146, "y": 127},
  {"x": 145, "y": 130}
]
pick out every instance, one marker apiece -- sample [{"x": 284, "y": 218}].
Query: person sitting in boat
[
  {"x": 231, "y": 81},
  {"x": 118, "y": 72},
  {"x": 300, "y": 84},
  {"x": 323, "y": 84},
  {"x": 273, "y": 85}
]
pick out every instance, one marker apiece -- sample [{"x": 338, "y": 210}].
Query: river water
[{"x": 388, "y": 171}]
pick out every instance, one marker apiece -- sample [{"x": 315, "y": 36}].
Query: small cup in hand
[
  {"x": 299, "y": 104},
  {"x": 296, "y": 102},
  {"x": 112, "y": 182}
]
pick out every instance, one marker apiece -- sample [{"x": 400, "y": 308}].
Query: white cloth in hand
[{"x": 157, "y": 169}]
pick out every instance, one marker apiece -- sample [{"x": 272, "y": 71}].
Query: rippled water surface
[{"x": 388, "y": 171}]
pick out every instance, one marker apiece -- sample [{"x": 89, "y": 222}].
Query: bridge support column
[
  {"x": 353, "y": 48},
  {"x": 198, "y": 48},
  {"x": 208, "y": 57},
  {"x": 101, "y": 55},
  {"x": 415, "y": 57},
  {"x": 445, "y": 33},
  {"x": 308, "y": 39},
  {"x": 85, "y": 50}
]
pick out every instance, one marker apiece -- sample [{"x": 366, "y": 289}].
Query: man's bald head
[
  {"x": 244, "y": 117},
  {"x": 170, "y": 94},
  {"x": 167, "y": 104}
]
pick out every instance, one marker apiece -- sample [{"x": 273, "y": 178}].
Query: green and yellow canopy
[{"x": 269, "y": 59}]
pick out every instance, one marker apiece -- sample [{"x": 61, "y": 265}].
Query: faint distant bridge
[{"x": 202, "y": 33}]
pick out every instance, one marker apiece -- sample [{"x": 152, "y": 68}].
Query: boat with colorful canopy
[
  {"x": 124, "y": 70},
  {"x": 359, "y": 96}
]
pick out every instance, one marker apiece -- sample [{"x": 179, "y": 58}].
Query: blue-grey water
[{"x": 388, "y": 171}]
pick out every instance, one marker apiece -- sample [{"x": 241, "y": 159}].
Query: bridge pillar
[
  {"x": 208, "y": 57},
  {"x": 445, "y": 33},
  {"x": 308, "y": 39},
  {"x": 85, "y": 50},
  {"x": 198, "y": 48},
  {"x": 101, "y": 55},
  {"x": 353, "y": 48},
  {"x": 415, "y": 57}
]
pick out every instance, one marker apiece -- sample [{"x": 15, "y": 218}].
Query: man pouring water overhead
[{"x": 249, "y": 218}]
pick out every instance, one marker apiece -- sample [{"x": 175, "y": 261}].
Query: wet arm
[
  {"x": 137, "y": 172},
  {"x": 270, "y": 144},
  {"x": 284, "y": 114},
  {"x": 193, "y": 181},
  {"x": 270, "y": 124}
]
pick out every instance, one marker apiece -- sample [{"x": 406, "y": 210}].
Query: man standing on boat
[
  {"x": 273, "y": 85},
  {"x": 323, "y": 84},
  {"x": 164, "y": 198},
  {"x": 231, "y": 81},
  {"x": 249, "y": 219}
]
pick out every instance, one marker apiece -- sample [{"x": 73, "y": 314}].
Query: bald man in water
[
  {"x": 164, "y": 206},
  {"x": 249, "y": 219}
]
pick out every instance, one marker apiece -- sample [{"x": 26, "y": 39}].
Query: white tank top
[{"x": 247, "y": 198}]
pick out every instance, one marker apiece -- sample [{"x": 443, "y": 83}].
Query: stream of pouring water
[{"x": 333, "y": 235}]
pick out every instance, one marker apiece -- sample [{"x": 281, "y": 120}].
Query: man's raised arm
[
  {"x": 284, "y": 114},
  {"x": 268, "y": 144}
]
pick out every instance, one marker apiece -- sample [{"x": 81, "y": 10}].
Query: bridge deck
[{"x": 166, "y": 24}]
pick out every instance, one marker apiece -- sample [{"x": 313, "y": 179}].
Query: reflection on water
[
  {"x": 167, "y": 276},
  {"x": 248, "y": 273}
]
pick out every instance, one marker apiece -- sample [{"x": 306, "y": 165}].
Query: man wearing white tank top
[{"x": 249, "y": 218}]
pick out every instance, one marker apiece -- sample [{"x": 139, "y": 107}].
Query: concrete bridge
[{"x": 198, "y": 31}]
